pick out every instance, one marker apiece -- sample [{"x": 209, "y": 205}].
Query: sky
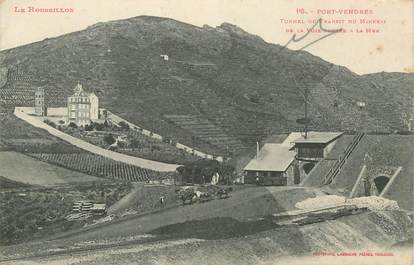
[{"x": 391, "y": 49}]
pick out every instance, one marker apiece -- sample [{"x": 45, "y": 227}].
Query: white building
[
  {"x": 82, "y": 107},
  {"x": 94, "y": 109}
]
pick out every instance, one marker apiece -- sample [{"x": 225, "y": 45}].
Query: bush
[
  {"x": 50, "y": 123},
  {"x": 89, "y": 127},
  {"x": 121, "y": 144},
  {"x": 106, "y": 123},
  {"x": 124, "y": 125},
  {"x": 73, "y": 125},
  {"x": 193, "y": 172},
  {"x": 109, "y": 139}
]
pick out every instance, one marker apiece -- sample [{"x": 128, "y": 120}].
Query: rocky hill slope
[{"x": 231, "y": 85}]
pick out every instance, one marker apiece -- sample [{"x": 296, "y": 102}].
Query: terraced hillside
[
  {"x": 98, "y": 166},
  {"x": 233, "y": 79},
  {"x": 208, "y": 132}
]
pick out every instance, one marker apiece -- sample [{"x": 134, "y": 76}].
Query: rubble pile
[
  {"x": 320, "y": 202},
  {"x": 375, "y": 203}
]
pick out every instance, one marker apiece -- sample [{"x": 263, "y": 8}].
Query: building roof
[
  {"x": 291, "y": 137},
  {"x": 317, "y": 137},
  {"x": 272, "y": 157},
  {"x": 79, "y": 92}
]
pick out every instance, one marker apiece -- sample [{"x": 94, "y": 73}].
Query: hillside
[
  {"x": 230, "y": 229},
  {"x": 6, "y": 183},
  {"x": 31, "y": 171},
  {"x": 220, "y": 89},
  {"x": 385, "y": 151}
]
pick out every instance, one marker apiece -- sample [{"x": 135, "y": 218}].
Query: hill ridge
[{"x": 244, "y": 85}]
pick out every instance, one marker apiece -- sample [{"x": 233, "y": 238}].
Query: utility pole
[
  {"x": 306, "y": 112},
  {"x": 306, "y": 106},
  {"x": 257, "y": 139}
]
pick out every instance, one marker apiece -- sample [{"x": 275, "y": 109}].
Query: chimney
[{"x": 257, "y": 150}]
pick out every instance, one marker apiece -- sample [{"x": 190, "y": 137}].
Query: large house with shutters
[{"x": 82, "y": 107}]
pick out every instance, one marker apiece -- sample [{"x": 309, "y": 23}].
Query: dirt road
[
  {"x": 20, "y": 112},
  {"x": 242, "y": 205}
]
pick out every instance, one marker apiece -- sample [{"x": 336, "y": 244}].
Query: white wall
[{"x": 94, "y": 110}]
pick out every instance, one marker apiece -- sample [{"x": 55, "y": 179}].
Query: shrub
[
  {"x": 73, "y": 125},
  {"x": 109, "y": 139},
  {"x": 124, "y": 125},
  {"x": 50, "y": 123},
  {"x": 106, "y": 123}
]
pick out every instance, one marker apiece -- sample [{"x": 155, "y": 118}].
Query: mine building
[
  {"x": 273, "y": 165},
  {"x": 315, "y": 145},
  {"x": 289, "y": 162}
]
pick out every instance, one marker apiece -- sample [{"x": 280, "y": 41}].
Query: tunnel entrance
[
  {"x": 308, "y": 167},
  {"x": 381, "y": 182}
]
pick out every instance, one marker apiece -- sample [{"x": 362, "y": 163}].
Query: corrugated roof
[
  {"x": 318, "y": 137},
  {"x": 291, "y": 137},
  {"x": 272, "y": 157}
]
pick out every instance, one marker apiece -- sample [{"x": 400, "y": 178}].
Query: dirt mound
[
  {"x": 320, "y": 202},
  {"x": 373, "y": 203}
]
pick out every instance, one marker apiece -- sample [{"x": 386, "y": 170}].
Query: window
[
  {"x": 72, "y": 115},
  {"x": 314, "y": 152}
]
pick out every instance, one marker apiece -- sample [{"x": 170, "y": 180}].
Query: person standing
[
  {"x": 162, "y": 201},
  {"x": 367, "y": 186}
]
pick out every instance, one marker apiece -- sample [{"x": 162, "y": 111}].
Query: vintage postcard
[{"x": 206, "y": 132}]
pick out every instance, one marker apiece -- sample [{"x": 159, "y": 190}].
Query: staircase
[{"x": 336, "y": 168}]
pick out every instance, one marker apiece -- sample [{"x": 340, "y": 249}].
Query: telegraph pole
[
  {"x": 257, "y": 138},
  {"x": 305, "y": 95},
  {"x": 306, "y": 112}
]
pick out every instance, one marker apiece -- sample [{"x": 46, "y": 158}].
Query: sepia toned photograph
[{"x": 274, "y": 132}]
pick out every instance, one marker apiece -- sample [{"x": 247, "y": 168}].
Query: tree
[
  {"x": 73, "y": 125},
  {"x": 109, "y": 139},
  {"x": 105, "y": 124},
  {"x": 124, "y": 125},
  {"x": 50, "y": 123},
  {"x": 121, "y": 144},
  {"x": 100, "y": 126},
  {"x": 89, "y": 127}
]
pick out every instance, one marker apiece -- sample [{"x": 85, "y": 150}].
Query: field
[
  {"x": 21, "y": 168},
  {"x": 30, "y": 212},
  {"x": 98, "y": 166},
  {"x": 18, "y": 135}
]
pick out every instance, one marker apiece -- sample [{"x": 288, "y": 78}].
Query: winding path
[{"x": 23, "y": 113}]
